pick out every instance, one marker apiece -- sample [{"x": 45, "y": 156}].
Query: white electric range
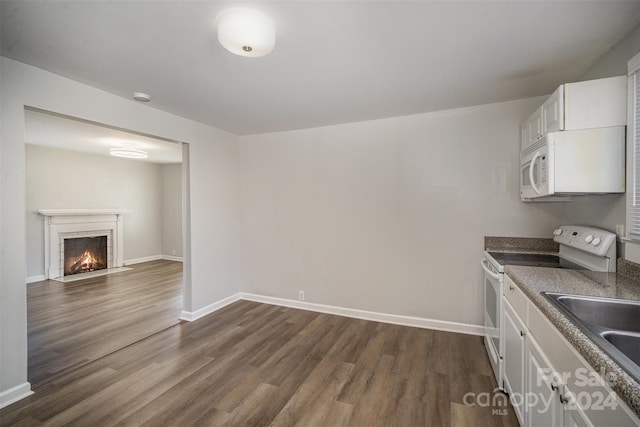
[{"x": 580, "y": 248}]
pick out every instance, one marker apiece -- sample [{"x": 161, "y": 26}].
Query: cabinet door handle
[
  {"x": 563, "y": 400},
  {"x": 511, "y": 288},
  {"x": 554, "y": 387},
  {"x": 522, "y": 333}
]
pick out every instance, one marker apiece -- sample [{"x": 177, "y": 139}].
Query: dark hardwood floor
[
  {"x": 252, "y": 364},
  {"x": 71, "y": 324}
]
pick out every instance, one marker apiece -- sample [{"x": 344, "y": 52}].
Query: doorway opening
[{"x": 74, "y": 322}]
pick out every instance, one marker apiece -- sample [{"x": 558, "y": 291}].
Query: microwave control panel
[{"x": 543, "y": 169}]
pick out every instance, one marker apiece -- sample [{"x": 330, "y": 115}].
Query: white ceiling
[
  {"x": 334, "y": 61},
  {"x": 50, "y": 130}
]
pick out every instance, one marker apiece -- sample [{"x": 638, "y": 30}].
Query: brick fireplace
[{"x": 82, "y": 240}]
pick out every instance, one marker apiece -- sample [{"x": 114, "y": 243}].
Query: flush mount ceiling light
[
  {"x": 129, "y": 153},
  {"x": 246, "y": 32},
  {"x": 141, "y": 97}
]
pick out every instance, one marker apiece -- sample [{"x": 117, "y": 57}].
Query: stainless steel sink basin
[
  {"x": 613, "y": 324},
  {"x": 629, "y": 344},
  {"x": 605, "y": 312}
]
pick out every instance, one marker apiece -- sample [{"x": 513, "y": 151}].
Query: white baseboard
[
  {"x": 152, "y": 258},
  {"x": 12, "y": 395},
  {"x": 143, "y": 259},
  {"x": 171, "y": 258},
  {"x": 190, "y": 316},
  {"x": 395, "y": 319},
  {"x": 38, "y": 278}
]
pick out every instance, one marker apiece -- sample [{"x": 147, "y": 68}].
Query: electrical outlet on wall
[{"x": 301, "y": 295}]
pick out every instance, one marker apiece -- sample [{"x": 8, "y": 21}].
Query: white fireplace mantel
[
  {"x": 82, "y": 212},
  {"x": 61, "y": 222}
]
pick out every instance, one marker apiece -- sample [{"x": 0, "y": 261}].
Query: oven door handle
[{"x": 485, "y": 267}]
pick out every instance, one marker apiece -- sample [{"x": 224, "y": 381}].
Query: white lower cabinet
[
  {"x": 574, "y": 417},
  {"x": 538, "y": 393},
  {"x": 514, "y": 360},
  {"x": 544, "y": 404},
  {"x": 545, "y": 377}
]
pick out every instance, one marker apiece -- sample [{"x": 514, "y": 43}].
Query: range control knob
[
  {"x": 557, "y": 231},
  {"x": 588, "y": 239},
  {"x": 596, "y": 241}
]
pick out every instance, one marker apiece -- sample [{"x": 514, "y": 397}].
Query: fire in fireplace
[{"x": 84, "y": 254}]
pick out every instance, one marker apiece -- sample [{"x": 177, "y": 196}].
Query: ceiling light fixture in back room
[
  {"x": 128, "y": 153},
  {"x": 246, "y": 32}
]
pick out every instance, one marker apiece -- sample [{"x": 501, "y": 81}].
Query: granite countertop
[
  {"x": 520, "y": 244},
  {"x": 534, "y": 280}
]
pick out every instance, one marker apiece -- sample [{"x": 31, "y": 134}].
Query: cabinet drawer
[{"x": 516, "y": 298}]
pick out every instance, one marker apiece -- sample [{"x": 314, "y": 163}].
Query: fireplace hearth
[{"x": 85, "y": 254}]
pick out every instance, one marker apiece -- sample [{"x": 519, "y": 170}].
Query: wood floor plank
[
  {"x": 463, "y": 416},
  {"x": 364, "y": 368},
  {"x": 311, "y": 403},
  {"x": 375, "y": 403},
  {"x": 71, "y": 394},
  {"x": 151, "y": 389},
  {"x": 322, "y": 406},
  {"x": 438, "y": 399},
  {"x": 339, "y": 415},
  {"x": 351, "y": 349},
  {"x": 177, "y": 403},
  {"x": 253, "y": 411},
  {"x": 252, "y": 364},
  {"x": 213, "y": 417},
  {"x": 103, "y": 399},
  {"x": 247, "y": 381},
  {"x": 422, "y": 394}
]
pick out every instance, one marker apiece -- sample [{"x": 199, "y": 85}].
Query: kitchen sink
[
  {"x": 613, "y": 324},
  {"x": 605, "y": 312},
  {"x": 629, "y": 344}
]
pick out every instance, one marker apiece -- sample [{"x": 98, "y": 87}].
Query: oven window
[{"x": 491, "y": 301}]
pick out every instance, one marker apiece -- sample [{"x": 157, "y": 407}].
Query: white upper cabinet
[
  {"x": 582, "y": 105},
  {"x": 595, "y": 103},
  {"x": 532, "y": 129},
  {"x": 553, "y": 111}
]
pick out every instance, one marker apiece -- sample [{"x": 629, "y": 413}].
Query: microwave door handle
[
  {"x": 533, "y": 163},
  {"x": 483, "y": 263}
]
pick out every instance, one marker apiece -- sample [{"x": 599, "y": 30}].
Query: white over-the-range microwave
[{"x": 573, "y": 162}]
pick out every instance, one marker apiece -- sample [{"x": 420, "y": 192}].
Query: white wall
[
  {"x": 614, "y": 62},
  {"x": 387, "y": 215},
  {"x": 214, "y": 265},
  {"x": 172, "y": 210}
]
